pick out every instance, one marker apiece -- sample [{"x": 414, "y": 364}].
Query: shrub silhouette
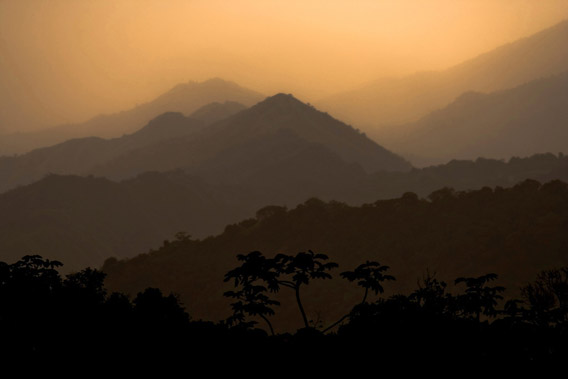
[
  {"x": 547, "y": 297},
  {"x": 479, "y": 298}
]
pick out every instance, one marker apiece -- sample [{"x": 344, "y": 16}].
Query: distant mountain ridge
[
  {"x": 401, "y": 100},
  {"x": 515, "y": 122},
  {"x": 78, "y": 156},
  {"x": 185, "y": 98},
  {"x": 279, "y": 112}
]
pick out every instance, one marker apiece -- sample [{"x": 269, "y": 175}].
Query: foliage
[
  {"x": 369, "y": 276},
  {"x": 44, "y": 315},
  {"x": 479, "y": 298},
  {"x": 281, "y": 271},
  {"x": 251, "y": 298},
  {"x": 547, "y": 297}
]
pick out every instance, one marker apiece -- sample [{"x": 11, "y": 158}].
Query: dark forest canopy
[
  {"x": 44, "y": 316},
  {"x": 515, "y": 231}
]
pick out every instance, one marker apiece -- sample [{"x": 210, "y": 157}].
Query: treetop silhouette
[{"x": 281, "y": 271}]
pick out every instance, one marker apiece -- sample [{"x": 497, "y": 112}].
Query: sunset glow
[{"x": 66, "y": 61}]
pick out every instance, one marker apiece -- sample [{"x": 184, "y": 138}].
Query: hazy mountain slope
[
  {"x": 286, "y": 112},
  {"x": 279, "y": 112},
  {"x": 216, "y": 111},
  {"x": 400, "y": 100},
  {"x": 282, "y": 168},
  {"x": 82, "y": 221},
  {"x": 465, "y": 175},
  {"x": 185, "y": 98},
  {"x": 517, "y": 122},
  {"x": 77, "y": 156},
  {"x": 452, "y": 235},
  {"x": 172, "y": 141}
]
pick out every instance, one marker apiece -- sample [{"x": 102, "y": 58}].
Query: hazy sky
[{"x": 67, "y": 60}]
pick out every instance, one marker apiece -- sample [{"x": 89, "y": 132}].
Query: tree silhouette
[
  {"x": 369, "y": 275},
  {"x": 302, "y": 268},
  {"x": 251, "y": 301},
  {"x": 480, "y": 298},
  {"x": 281, "y": 271},
  {"x": 432, "y": 298},
  {"x": 251, "y": 297},
  {"x": 547, "y": 297},
  {"x": 86, "y": 285},
  {"x": 153, "y": 309}
]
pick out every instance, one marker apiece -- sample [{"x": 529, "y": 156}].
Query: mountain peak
[
  {"x": 283, "y": 102},
  {"x": 285, "y": 112},
  {"x": 217, "y": 80},
  {"x": 209, "y": 84},
  {"x": 282, "y": 97}
]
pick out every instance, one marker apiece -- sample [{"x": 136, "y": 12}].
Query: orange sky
[{"x": 67, "y": 60}]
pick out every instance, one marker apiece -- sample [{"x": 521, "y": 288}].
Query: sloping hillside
[
  {"x": 234, "y": 134},
  {"x": 401, "y": 100},
  {"x": 517, "y": 122},
  {"x": 185, "y": 98}
]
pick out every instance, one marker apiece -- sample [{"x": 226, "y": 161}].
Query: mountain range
[
  {"x": 185, "y": 98},
  {"x": 239, "y": 142},
  {"x": 391, "y": 101},
  {"x": 520, "y": 121},
  {"x": 84, "y": 220},
  {"x": 205, "y": 155}
]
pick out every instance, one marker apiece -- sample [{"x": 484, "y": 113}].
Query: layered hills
[
  {"x": 514, "y": 232},
  {"x": 173, "y": 141},
  {"x": 400, "y": 100},
  {"x": 184, "y": 98},
  {"x": 84, "y": 220},
  {"x": 241, "y": 138},
  {"x": 515, "y": 122}
]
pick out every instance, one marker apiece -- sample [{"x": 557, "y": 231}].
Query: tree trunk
[
  {"x": 269, "y": 324},
  {"x": 301, "y": 307}
]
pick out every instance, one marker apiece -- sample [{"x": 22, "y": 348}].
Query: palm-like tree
[
  {"x": 302, "y": 268},
  {"x": 368, "y": 275},
  {"x": 251, "y": 297},
  {"x": 281, "y": 271}
]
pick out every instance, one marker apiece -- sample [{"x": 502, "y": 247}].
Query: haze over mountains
[
  {"x": 401, "y": 100},
  {"x": 385, "y": 109},
  {"x": 78, "y": 155},
  {"x": 185, "y": 98},
  {"x": 208, "y": 154},
  {"x": 516, "y": 122},
  {"x": 173, "y": 142}
]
